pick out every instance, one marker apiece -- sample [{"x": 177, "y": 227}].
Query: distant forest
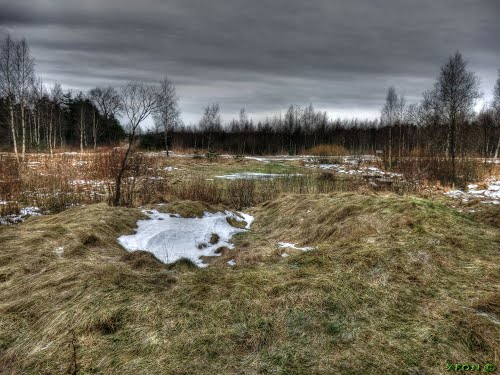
[{"x": 35, "y": 117}]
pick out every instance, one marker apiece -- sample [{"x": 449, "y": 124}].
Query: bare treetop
[
  {"x": 107, "y": 100},
  {"x": 138, "y": 101}
]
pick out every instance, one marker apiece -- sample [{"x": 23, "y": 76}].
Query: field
[{"x": 318, "y": 265}]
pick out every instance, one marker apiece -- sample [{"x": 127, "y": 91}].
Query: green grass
[
  {"x": 221, "y": 167},
  {"x": 398, "y": 285}
]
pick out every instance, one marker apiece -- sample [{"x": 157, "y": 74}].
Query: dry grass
[
  {"x": 438, "y": 170},
  {"x": 69, "y": 179},
  {"x": 397, "y": 286},
  {"x": 55, "y": 183},
  {"x": 328, "y": 150}
]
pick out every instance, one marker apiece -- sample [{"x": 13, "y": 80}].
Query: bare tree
[
  {"x": 496, "y": 111},
  {"x": 56, "y": 99},
  {"x": 24, "y": 71},
  {"x": 243, "y": 125},
  {"x": 211, "y": 122},
  {"x": 8, "y": 83},
  {"x": 401, "y": 106},
  {"x": 82, "y": 123},
  {"x": 107, "y": 101},
  {"x": 415, "y": 115},
  {"x": 138, "y": 101},
  {"x": 390, "y": 116},
  {"x": 453, "y": 99},
  {"x": 167, "y": 114}
]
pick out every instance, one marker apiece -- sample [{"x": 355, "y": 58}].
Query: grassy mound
[
  {"x": 188, "y": 209},
  {"x": 397, "y": 286}
]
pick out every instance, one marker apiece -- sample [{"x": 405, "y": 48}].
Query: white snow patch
[
  {"x": 254, "y": 176},
  {"x": 24, "y": 213},
  {"x": 366, "y": 171},
  {"x": 231, "y": 262},
  {"x": 59, "y": 251},
  {"x": 30, "y": 211},
  {"x": 170, "y": 237},
  {"x": 87, "y": 182},
  {"x": 285, "y": 255},
  {"x": 287, "y": 245},
  {"x": 490, "y": 195}
]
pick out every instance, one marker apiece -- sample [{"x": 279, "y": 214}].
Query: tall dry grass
[
  {"x": 242, "y": 193},
  {"x": 69, "y": 179}
]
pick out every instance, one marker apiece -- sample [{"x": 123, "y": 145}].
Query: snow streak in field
[
  {"x": 286, "y": 245},
  {"x": 171, "y": 237},
  {"x": 490, "y": 194},
  {"x": 24, "y": 213},
  {"x": 254, "y": 176}
]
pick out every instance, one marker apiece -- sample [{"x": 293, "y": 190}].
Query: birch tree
[
  {"x": 211, "y": 122},
  {"x": 453, "y": 98},
  {"x": 496, "y": 111},
  {"x": 390, "y": 116},
  {"x": 8, "y": 83},
  {"x": 24, "y": 66},
  {"x": 167, "y": 114}
]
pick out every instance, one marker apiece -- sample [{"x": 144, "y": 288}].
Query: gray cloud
[{"x": 262, "y": 55}]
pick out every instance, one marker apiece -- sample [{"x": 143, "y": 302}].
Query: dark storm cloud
[{"x": 263, "y": 55}]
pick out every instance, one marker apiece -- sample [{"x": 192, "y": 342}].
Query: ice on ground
[
  {"x": 267, "y": 159},
  {"x": 287, "y": 245},
  {"x": 87, "y": 182},
  {"x": 170, "y": 169},
  {"x": 231, "y": 262},
  {"x": 30, "y": 211},
  {"x": 170, "y": 237},
  {"x": 254, "y": 176},
  {"x": 368, "y": 171},
  {"x": 351, "y": 159},
  {"x": 24, "y": 213},
  {"x": 491, "y": 194},
  {"x": 59, "y": 251}
]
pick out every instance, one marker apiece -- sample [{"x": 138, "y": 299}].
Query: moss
[
  {"x": 214, "y": 238},
  {"x": 240, "y": 224}
]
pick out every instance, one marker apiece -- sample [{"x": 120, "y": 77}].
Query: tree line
[
  {"x": 34, "y": 117},
  {"x": 443, "y": 123}
]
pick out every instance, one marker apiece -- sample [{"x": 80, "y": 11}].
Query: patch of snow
[
  {"x": 253, "y": 176},
  {"x": 365, "y": 171},
  {"x": 287, "y": 245},
  {"x": 24, "y": 213},
  {"x": 231, "y": 262},
  {"x": 267, "y": 159},
  {"x": 59, "y": 251},
  {"x": 87, "y": 182},
  {"x": 489, "y": 195},
  {"x": 351, "y": 159},
  {"x": 170, "y": 237},
  {"x": 170, "y": 169},
  {"x": 285, "y": 255},
  {"x": 30, "y": 211}
]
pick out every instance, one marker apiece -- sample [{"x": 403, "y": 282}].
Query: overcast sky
[{"x": 263, "y": 55}]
